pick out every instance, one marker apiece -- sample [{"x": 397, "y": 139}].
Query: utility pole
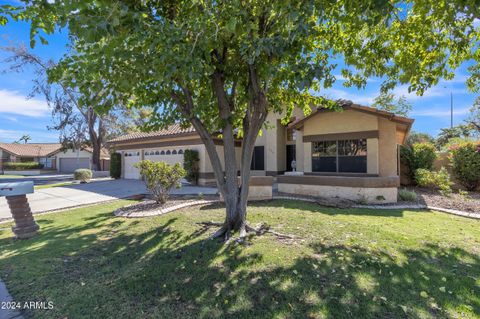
[{"x": 451, "y": 109}]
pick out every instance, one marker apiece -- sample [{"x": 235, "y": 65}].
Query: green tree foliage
[
  {"x": 223, "y": 66},
  {"x": 465, "y": 160},
  {"x": 419, "y": 137},
  {"x": 160, "y": 178},
  {"x": 115, "y": 165},
  {"x": 440, "y": 180},
  {"x": 387, "y": 102},
  {"x": 461, "y": 131},
  {"x": 418, "y": 156},
  {"x": 190, "y": 164}
]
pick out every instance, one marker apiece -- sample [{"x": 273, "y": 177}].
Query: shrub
[
  {"x": 418, "y": 156},
  {"x": 115, "y": 165},
  {"x": 190, "y": 164},
  {"x": 465, "y": 160},
  {"x": 440, "y": 179},
  {"x": 160, "y": 178},
  {"x": 21, "y": 166},
  {"x": 83, "y": 175},
  {"x": 406, "y": 195}
]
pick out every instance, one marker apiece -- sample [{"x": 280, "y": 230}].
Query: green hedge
[
  {"x": 465, "y": 159},
  {"x": 21, "y": 166},
  {"x": 115, "y": 165},
  {"x": 190, "y": 164},
  {"x": 418, "y": 156}
]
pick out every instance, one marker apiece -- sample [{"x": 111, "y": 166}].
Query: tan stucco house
[
  {"x": 51, "y": 155},
  {"x": 351, "y": 153}
]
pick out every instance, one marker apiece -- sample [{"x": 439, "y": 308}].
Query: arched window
[
  {"x": 146, "y": 153},
  {"x": 157, "y": 153},
  {"x": 168, "y": 152},
  {"x": 180, "y": 152},
  {"x": 162, "y": 153},
  {"x": 126, "y": 154},
  {"x": 174, "y": 152},
  {"x": 138, "y": 153}
]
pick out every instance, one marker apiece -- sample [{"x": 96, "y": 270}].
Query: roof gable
[
  {"x": 349, "y": 105},
  {"x": 31, "y": 149}
]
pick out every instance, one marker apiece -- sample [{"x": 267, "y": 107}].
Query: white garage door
[
  {"x": 131, "y": 158},
  {"x": 70, "y": 164}
]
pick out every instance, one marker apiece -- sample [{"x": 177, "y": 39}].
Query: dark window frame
[
  {"x": 330, "y": 154},
  {"x": 258, "y": 159}
]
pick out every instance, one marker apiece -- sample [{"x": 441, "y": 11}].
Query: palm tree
[{"x": 25, "y": 138}]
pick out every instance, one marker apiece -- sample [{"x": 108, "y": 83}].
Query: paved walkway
[
  {"x": 56, "y": 198},
  {"x": 6, "y": 298}
]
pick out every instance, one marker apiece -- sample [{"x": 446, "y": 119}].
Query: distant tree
[
  {"x": 78, "y": 124},
  {"x": 474, "y": 118},
  {"x": 25, "y": 138},
  {"x": 458, "y": 132},
  {"x": 388, "y": 102},
  {"x": 419, "y": 137},
  {"x": 123, "y": 121}
]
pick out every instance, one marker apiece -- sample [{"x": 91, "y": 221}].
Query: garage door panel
[
  {"x": 70, "y": 164},
  {"x": 169, "y": 159},
  {"x": 131, "y": 172}
]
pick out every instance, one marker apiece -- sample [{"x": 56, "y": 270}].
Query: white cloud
[
  {"x": 436, "y": 91},
  {"x": 11, "y": 118},
  {"x": 8, "y": 135},
  {"x": 13, "y": 102},
  {"x": 441, "y": 112}
]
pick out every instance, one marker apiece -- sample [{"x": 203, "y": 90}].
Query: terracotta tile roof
[
  {"x": 171, "y": 131},
  {"x": 31, "y": 149},
  {"x": 42, "y": 149}
]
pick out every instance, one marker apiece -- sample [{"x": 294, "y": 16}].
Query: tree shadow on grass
[
  {"x": 169, "y": 272},
  {"x": 315, "y": 208}
]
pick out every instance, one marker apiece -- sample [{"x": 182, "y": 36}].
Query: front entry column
[{"x": 299, "y": 156}]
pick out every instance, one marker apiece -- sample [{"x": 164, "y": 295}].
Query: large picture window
[{"x": 343, "y": 156}]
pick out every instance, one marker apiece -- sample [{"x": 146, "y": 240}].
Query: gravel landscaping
[{"x": 467, "y": 203}]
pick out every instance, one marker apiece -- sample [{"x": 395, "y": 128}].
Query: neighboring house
[
  {"x": 349, "y": 154},
  {"x": 51, "y": 156}
]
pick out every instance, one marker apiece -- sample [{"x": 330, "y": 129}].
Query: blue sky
[{"x": 19, "y": 115}]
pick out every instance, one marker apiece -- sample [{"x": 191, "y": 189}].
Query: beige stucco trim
[{"x": 363, "y": 194}]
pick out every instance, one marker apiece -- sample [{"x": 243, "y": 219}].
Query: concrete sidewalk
[
  {"x": 7, "y": 298},
  {"x": 55, "y": 198}
]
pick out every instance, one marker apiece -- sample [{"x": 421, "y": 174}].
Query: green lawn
[
  {"x": 54, "y": 185},
  {"x": 348, "y": 264},
  {"x": 11, "y": 176}
]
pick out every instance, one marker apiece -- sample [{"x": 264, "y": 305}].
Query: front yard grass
[
  {"x": 11, "y": 176},
  {"x": 348, "y": 263}
]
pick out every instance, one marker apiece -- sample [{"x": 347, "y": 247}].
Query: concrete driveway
[{"x": 69, "y": 196}]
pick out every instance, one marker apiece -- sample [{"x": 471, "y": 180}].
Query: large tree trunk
[
  {"x": 96, "y": 137},
  {"x": 234, "y": 195}
]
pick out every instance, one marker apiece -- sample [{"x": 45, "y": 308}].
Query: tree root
[{"x": 244, "y": 232}]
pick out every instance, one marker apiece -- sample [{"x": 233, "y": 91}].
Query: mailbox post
[{"x": 25, "y": 225}]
